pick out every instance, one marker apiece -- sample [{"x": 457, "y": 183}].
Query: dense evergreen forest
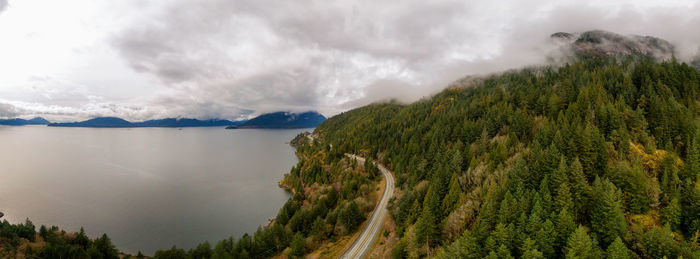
[
  {"x": 597, "y": 158},
  {"x": 23, "y": 241}
]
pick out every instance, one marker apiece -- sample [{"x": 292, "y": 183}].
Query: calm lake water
[{"x": 147, "y": 188}]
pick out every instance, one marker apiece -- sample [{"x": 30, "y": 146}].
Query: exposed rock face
[
  {"x": 564, "y": 36},
  {"x": 605, "y": 43}
]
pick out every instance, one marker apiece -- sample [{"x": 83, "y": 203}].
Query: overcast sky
[{"x": 76, "y": 59}]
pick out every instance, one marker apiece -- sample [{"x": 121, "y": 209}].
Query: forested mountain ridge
[
  {"x": 114, "y": 122},
  {"x": 598, "y": 158},
  {"x": 283, "y": 120},
  {"x": 22, "y": 122}
]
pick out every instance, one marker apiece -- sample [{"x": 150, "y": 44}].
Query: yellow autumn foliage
[
  {"x": 652, "y": 161},
  {"x": 644, "y": 222},
  {"x": 442, "y": 106}
]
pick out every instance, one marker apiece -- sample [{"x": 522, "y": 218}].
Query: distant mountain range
[
  {"x": 283, "y": 120},
  {"x": 114, "y": 122},
  {"x": 276, "y": 120},
  {"x": 22, "y": 122},
  {"x": 185, "y": 122}
]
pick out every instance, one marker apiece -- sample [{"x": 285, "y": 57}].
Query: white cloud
[{"x": 221, "y": 58}]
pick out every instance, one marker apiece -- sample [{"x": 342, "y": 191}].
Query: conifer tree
[
  {"x": 690, "y": 204},
  {"x": 465, "y": 247},
  {"x": 617, "y": 250},
  {"x": 551, "y": 160},
  {"x": 509, "y": 209},
  {"x": 692, "y": 161},
  {"x": 563, "y": 200},
  {"x": 529, "y": 250},
  {"x": 545, "y": 196},
  {"x": 318, "y": 228},
  {"x": 351, "y": 216},
  {"x": 81, "y": 239},
  {"x": 546, "y": 238},
  {"x": 579, "y": 245},
  {"x": 105, "y": 247},
  {"x": 536, "y": 217},
  {"x": 298, "y": 246},
  {"x": 202, "y": 251},
  {"x": 427, "y": 229},
  {"x": 587, "y": 153},
  {"x": 560, "y": 175},
  {"x": 671, "y": 214},
  {"x": 503, "y": 235},
  {"x": 455, "y": 192},
  {"x": 607, "y": 216},
  {"x": 564, "y": 228},
  {"x": 492, "y": 255},
  {"x": 659, "y": 243},
  {"x": 504, "y": 253},
  {"x": 579, "y": 185}
]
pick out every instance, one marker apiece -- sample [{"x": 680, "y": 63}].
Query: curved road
[{"x": 363, "y": 243}]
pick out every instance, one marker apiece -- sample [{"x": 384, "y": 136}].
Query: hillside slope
[{"x": 593, "y": 158}]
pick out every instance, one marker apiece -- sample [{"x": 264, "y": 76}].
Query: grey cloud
[
  {"x": 291, "y": 56},
  {"x": 377, "y": 28},
  {"x": 228, "y": 58},
  {"x": 3, "y": 5},
  {"x": 674, "y": 24},
  {"x": 9, "y": 111}
]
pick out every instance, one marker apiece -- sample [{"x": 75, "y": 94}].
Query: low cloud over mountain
[{"x": 234, "y": 59}]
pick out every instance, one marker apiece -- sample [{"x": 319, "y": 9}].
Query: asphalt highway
[{"x": 363, "y": 243}]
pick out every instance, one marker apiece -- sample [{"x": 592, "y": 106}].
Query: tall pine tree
[
  {"x": 580, "y": 245},
  {"x": 607, "y": 216}
]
